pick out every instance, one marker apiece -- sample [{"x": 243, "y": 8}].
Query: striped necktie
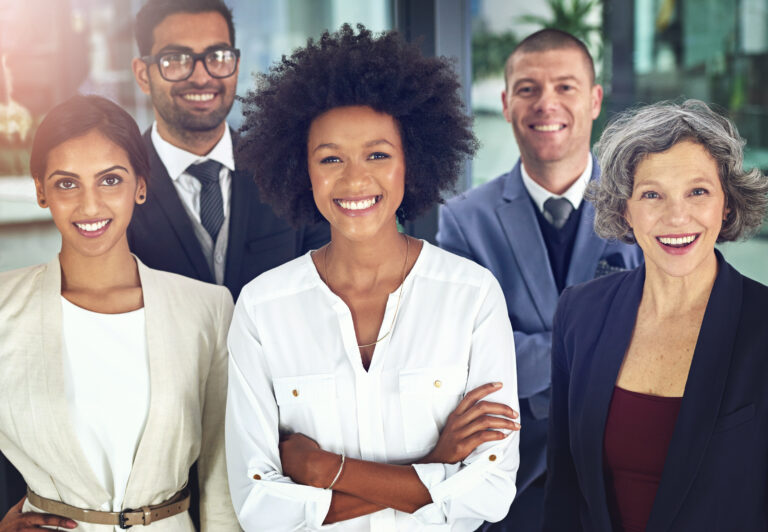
[{"x": 211, "y": 202}]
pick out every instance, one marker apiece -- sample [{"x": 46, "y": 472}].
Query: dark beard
[{"x": 186, "y": 123}]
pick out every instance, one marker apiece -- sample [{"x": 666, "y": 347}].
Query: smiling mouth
[
  {"x": 547, "y": 128},
  {"x": 92, "y": 227},
  {"x": 198, "y": 97},
  {"x": 358, "y": 205},
  {"x": 678, "y": 242}
]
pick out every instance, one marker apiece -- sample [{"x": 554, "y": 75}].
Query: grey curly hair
[{"x": 634, "y": 134}]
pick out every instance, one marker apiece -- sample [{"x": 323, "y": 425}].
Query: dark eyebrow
[
  {"x": 169, "y": 48},
  {"x": 111, "y": 168},
  {"x": 63, "y": 174},
  {"x": 329, "y": 145},
  {"x": 378, "y": 141}
]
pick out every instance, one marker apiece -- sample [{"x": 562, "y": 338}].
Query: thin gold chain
[{"x": 399, "y": 293}]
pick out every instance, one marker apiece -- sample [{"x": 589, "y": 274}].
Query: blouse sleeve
[
  {"x": 263, "y": 497},
  {"x": 216, "y": 512},
  {"x": 483, "y": 485}
]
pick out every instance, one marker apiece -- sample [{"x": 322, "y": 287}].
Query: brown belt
[{"x": 125, "y": 519}]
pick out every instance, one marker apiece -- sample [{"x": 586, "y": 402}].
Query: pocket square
[{"x": 611, "y": 264}]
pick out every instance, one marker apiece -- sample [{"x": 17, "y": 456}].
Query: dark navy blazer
[
  {"x": 495, "y": 225},
  {"x": 162, "y": 235},
  {"x": 715, "y": 476}
]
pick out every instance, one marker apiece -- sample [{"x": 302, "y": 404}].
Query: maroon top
[{"x": 637, "y": 434}]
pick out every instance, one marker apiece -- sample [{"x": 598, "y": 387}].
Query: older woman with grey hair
[{"x": 659, "y": 413}]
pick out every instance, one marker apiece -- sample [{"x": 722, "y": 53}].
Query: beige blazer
[{"x": 186, "y": 327}]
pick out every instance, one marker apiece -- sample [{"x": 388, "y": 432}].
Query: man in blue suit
[{"x": 533, "y": 230}]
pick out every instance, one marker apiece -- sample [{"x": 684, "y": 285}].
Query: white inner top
[{"x": 106, "y": 373}]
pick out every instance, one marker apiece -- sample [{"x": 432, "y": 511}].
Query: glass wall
[
  {"x": 51, "y": 49},
  {"x": 645, "y": 51}
]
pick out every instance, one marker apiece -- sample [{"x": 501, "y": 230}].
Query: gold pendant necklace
[{"x": 399, "y": 293}]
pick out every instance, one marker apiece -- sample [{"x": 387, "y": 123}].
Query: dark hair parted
[
  {"x": 634, "y": 134},
  {"x": 154, "y": 12},
  {"x": 355, "y": 69},
  {"x": 80, "y": 115},
  {"x": 550, "y": 39}
]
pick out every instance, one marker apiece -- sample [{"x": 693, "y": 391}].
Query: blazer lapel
[
  {"x": 521, "y": 228},
  {"x": 69, "y": 453},
  {"x": 596, "y": 381},
  {"x": 162, "y": 191},
  {"x": 588, "y": 247},
  {"x": 238, "y": 226},
  {"x": 702, "y": 396},
  {"x": 152, "y": 447}
]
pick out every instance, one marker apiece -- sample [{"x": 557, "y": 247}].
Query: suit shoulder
[
  {"x": 595, "y": 294},
  {"x": 18, "y": 283},
  {"x": 480, "y": 196}
]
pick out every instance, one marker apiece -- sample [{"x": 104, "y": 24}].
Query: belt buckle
[{"x": 121, "y": 520}]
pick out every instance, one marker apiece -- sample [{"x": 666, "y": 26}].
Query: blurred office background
[{"x": 646, "y": 50}]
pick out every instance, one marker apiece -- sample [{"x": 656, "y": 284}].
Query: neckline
[
  {"x": 71, "y": 305},
  {"x": 647, "y": 396},
  {"x": 414, "y": 271}
]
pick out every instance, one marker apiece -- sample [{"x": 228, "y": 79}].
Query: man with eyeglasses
[{"x": 202, "y": 218}]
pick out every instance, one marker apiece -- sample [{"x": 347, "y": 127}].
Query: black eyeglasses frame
[{"x": 155, "y": 60}]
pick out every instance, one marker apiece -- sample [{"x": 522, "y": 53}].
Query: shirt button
[
  {"x": 219, "y": 258},
  {"x": 438, "y": 383},
  {"x": 256, "y": 477},
  {"x": 295, "y": 393},
  {"x": 492, "y": 458}
]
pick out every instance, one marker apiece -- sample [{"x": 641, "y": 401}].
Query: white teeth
[
  {"x": 549, "y": 127},
  {"x": 358, "y": 205},
  {"x": 92, "y": 227},
  {"x": 680, "y": 241},
  {"x": 198, "y": 97}
]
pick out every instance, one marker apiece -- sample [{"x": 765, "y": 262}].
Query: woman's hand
[
  {"x": 305, "y": 462},
  {"x": 471, "y": 424},
  {"x": 17, "y": 521}
]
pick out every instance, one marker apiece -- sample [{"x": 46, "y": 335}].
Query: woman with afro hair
[{"x": 357, "y": 371}]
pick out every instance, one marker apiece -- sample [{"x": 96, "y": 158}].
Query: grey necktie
[
  {"x": 211, "y": 203},
  {"x": 558, "y": 211}
]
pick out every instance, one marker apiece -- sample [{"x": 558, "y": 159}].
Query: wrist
[{"x": 326, "y": 465}]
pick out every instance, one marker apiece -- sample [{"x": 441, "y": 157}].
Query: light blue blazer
[{"x": 495, "y": 225}]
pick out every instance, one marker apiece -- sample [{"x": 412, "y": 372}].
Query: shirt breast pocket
[
  {"x": 308, "y": 404},
  {"x": 427, "y": 397}
]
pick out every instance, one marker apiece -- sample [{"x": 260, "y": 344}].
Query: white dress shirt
[
  {"x": 106, "y": 373},
  {"x": 177, "y": 160},
  {"x": 295, "y": 366},
  {"x": 574, "y": 194}
]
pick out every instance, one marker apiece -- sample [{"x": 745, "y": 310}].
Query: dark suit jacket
[
  {"x": 495, "y": 225},
  {"x": 162, "y": 235},
  {"x": 715, "y": 476}
]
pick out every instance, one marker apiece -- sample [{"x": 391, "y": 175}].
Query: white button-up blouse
[{"x": 295, "y": 366}]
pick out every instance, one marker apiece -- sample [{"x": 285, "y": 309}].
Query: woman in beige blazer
[{"x": 90, "y": 169}]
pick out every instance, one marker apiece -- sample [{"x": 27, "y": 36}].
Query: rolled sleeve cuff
[{"x": 446, "y": 481}]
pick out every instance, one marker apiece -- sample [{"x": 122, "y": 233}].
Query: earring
[
  {"x": 42, "y": 202},
  {"x": 141, "y": 196}
]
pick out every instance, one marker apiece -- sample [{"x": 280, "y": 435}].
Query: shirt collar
[
  {"x": 574, "y": 194},
  {"x": 177, "y": 160}
]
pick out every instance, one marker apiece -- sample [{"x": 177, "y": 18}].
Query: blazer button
[
  {"x": 492, "y": 458},
  {"x": 438, "y": 383},
  {"x": 295, "y": 392},
  {"x": 256, "y": 477}
]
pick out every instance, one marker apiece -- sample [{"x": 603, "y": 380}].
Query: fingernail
[
  {"x": 497, "y": 385},
  {"x": 71, "y": 524}
]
